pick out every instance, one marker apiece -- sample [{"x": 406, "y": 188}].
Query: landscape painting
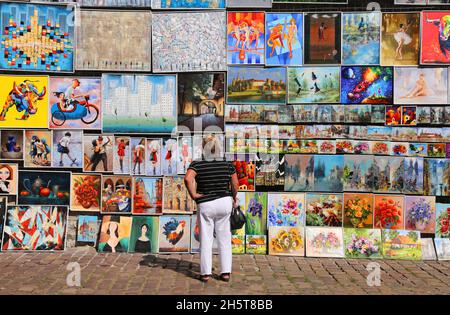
[
  {"x": 176, "y": 198},
  {"x": 147, "y": 195},
  {"x": 357, "y": 174},
  {"x": 413, "y": 179},
  {"x": 188, "y": 4},
  {"x": 299, "y": 172},
  {"x": 328, "y": 172},
  {"x": 401, "y": 244}
]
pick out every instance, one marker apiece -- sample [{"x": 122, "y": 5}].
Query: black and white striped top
[{"x": 213, "y": 179}]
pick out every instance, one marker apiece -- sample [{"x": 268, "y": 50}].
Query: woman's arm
[
  {"x": 234, "y": 186},
  {"x": 189, "y": 181}
]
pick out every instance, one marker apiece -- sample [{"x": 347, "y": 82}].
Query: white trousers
[{"x": 215, "y": 215}]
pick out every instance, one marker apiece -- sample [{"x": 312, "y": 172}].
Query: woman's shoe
[
  {"x": 225, "y": 277},
  {"x": 204, "y": 278}
]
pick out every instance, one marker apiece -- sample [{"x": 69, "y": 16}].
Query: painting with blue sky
[
  {"x": 328, "y": 172},
  {"x": 188, "y": 4}
]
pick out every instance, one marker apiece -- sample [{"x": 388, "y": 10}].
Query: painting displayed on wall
[
  {"x": 192, "y": 30},
  {"x": 324, "y": 242},
  {"x": 400, "y": 39},
  {"x": 322, "y": 43},
  {"x": 254, "y": 85},
  {"x": 413, "y": 179},
  {"x": 44, "y": 188},
  {"x": 362, "y": 243},
  {"x": 284, "y": 39},
  {"x": 201, "y": 98},
  {"x": 442, "y": 248},
  {"x": 428, "y": 251},
  {"x": 114, "y": 3},
  {"x": 256, "y": 244},
  {"x": 115, "y": 234},
  {"x": 185, "y": 154},
  {"x": 37, "y": 37},
  {"x": 367, "y": 85},
  {"x": 195, "y": 237},
  {"x": 122, "y": 155},
  {"x": 361, "y": 38},
  {"x": 188, "y": 4},
  {"x": 328, "y": 172},
  {"x": 435, "y": 170},
  {"x": 9, "y": 179},
  {"x": 255, "y": 211},
  {"x": 245, "y": 38},
  {"x": 420, "y": 85},
  {"x": 98, "y": 153},
  {"x": 116, "y": 194},
  {"x": 35, "y": 228},
  {"x": 12, "y": 144},
  {"x": 358, "y": 210},
  {"x": 138, "y": 154},
  {"x": 313, "y": 85},
  {"x": 67, "y": 148},
  {"x": 176, "y": 198},
  {"x": 249, "y": 3},
  {"x": 38, "y": 148},
  {"x": 299, "y": 172},
  {"x": 442, "y": 220},
  {"x": 245, "y": 165},
  {"x": 144, "y": 235},
  {"x": 87, "y": 229},
  {"x": 420, "y": 213},
  {"x": 401, "y": 244},
  {"x": 286, "y": 209},
  {"x": 24, "y": 101},
  {"x": 174, "y": 234},
  {"x": 75, "y": 103},
  {"x": 435, "y": 43},
  {"x": 389, "y": 212},
  {"x": 153, "y": 159},
  {"x": 85, "y": 192},
  {"x": 3, "y": 208},
  {"x": 139, "y": 103},
  {"x": 323, "y": 209},
  {"x": 147, "y": 195},
  {"x": 388, "y": 174},
  {"x": 130, "y": 31},
  {"x": 170, "y": 156},
  {"x": 357, "y": 173},
  {"x": 285, "y": 240}
]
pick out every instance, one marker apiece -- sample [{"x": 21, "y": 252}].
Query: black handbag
[{"x": 237, "y": 218}]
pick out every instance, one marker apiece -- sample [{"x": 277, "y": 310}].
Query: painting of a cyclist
[{"x": 67, "y": 100}]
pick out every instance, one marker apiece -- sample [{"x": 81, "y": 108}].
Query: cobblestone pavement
[{"x": 45, "y": 273}]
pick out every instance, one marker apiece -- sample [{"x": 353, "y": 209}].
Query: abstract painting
[
  {"x": 389, "y": 212},
  {"x": 324, "y": 242},
  {"x": 420, "y": 85},
  {"x": 255, "y": 211},
  {"x": 115, "y": 234},
  {"x": 12, "y": 144},
  {"x": 436, "y": 177},
  {"x": 286, "y": 209},
  {"x": 367, "y": 85},
  {"x": 144, "y": 235},
  {"x": 324, "y": 209},
  {"x": 357, "y": 174},
  {"x": 139, "y": 103},
  {"x": 358, "y": 210},
  {"x": 442, "y": 248},
  {"x": 176, "y": 38},
  {"x": 116, "y": 194},
  {"x": 98, "y": 153},
  {"x": 442, "y": 220},
  {"x": 147, "y": 195},
  {"x": 420, "y": 213},
  {"x": 256, "y": 244},
  {"x": 38, "y": 145},
  {"x": 254, "y": 85},
  {"x": 413, "y": 179},
  {"x": 35, "y": 228},
  {"x": 9, "y": 179},
  {"x": 284, "y": 39},
  {"x": 299, "y": 174},
  {"x": 328, "y": 173},
  {"x": 362, "y": 243},
  {"x": 153, "y": 159},
  {"x": 188, "y": 4},
  {"x": 313, "y": 85},
  {"x": 37, "y": 37},
  {"x": 435, "y": 43},
  {"x": 201, "y": 99},
  {"x": 286, "y": 241},
  {"x": 401, "y": 244},
  {"x": 130, "y": 31},
  {"x": 361, "y": 38},
  {"x": 176, "y": 198},
  {"x": 75, "y": 103},
  {"x": 122, "y": 156},
  {"x": 24, "y": 101},
  {"x": 67, "y": 148},
  {"x": 87, "y": 229},
  {"x": 85, "y": 192},
  {"x": 245, "y": 38},
  {"x": 400, "y": 39},
  {"x": 322, "y": 43},
  {"x": 174, "y": 234}
]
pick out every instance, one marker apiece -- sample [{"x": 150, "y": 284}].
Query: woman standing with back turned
[{"x": 212, "y": 182}]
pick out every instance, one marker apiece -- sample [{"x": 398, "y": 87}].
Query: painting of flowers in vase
[
  {"x": 442, "y": 220},
  {"x": 323, "y": 209},
  {"x": 401, "y": 244},
  {"x": 362, "y": 243},
  {"x": 324, "y": 242},
  {"x": 420, "y": 213},
  {"x": 255, "y": 213},
  {"x": 388, "y": 211},
  {"x": 286, "y": 209},
  {"x": 286, "y": 240},
  {"x": 358, "y": 211}
]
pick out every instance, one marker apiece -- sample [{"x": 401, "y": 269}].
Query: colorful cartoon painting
[
  {"x": 170, "y": 155},
  {"x": 256, "y": 244},
  {"x": 420, "y": 85},
  {"x": 139, "y": 103},
  {"x": 188, "y": 31},
  {"x": 130, "y": 31},
  {"x": 435, "y": 32},
  {"x": 420, "y": 213},
  {"x": 357, "y": 173},
  {"x": 44, "y": 188},
  {"x": 98, "y": 153},
  {"x": 37, "y": 37},
  {"x": 358, "y": 210},
  {"x": 322, "y": 43},
  {"x": 153, "y": 159},
  {"x": 9, "y": 179},
  {"x": 147, "y": 195},
  {"x": 328, "y": 173},
  {"x": 401, "y": 244},
  {"x": 286, "y": 241},
  {"x": 324, "y": 242},
  {"x": 284, "y": 39},
  {"x": 38, "y": 148},
  {"x": 361, "y": 38},
  {"x": 24, "y": 101},
  {"x": 122, "y": 155},
  {"x": 35, "y": 228},
  {"x": 188, "y": 4},
  {"x": 366, "y": 85},
  {"x": 362, "y": 243},
  {"x": 74, "y": 103},
  {"x": 389, "y": 212},
  {"x": 314, "y": 85},
  {"x": 176, "y": 198},
  {"x": 323, "y": 209},
  {"x": 442, "y": 248},
  {"x": 85, "y": 192},
  {"x": 286, "y": 209},
  {"x": 174, "y": 234},
  {"x": 115, "y": 234},
  {"x": 87, "y": 229},
  {"x": 299, "y": 174},
  {"x": 254, "y": 85},
  {"x": 144, "y": 235},
  {"x": 255, "y": 211},
  {"x": 428, "y": 250},
  {"x": 67, "y": 148},
  {"x": 12, "y": 144},
  {"x": 413, "y": 179},
  {"x": 400, "y": 39},
  {"x": 442, "y": 220},
  {"x": 116, "y": 194}
]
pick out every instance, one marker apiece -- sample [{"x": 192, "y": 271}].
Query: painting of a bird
[{"x": 174, "y": 230}]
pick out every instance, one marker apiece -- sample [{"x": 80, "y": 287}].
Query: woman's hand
[{"x": 197, "y": 196}]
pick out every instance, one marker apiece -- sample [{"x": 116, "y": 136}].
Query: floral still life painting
[
  {"x": 286, "y": 209},
  {"x": 362, "y": 243},
  {"x": 285, "y": 240}
]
